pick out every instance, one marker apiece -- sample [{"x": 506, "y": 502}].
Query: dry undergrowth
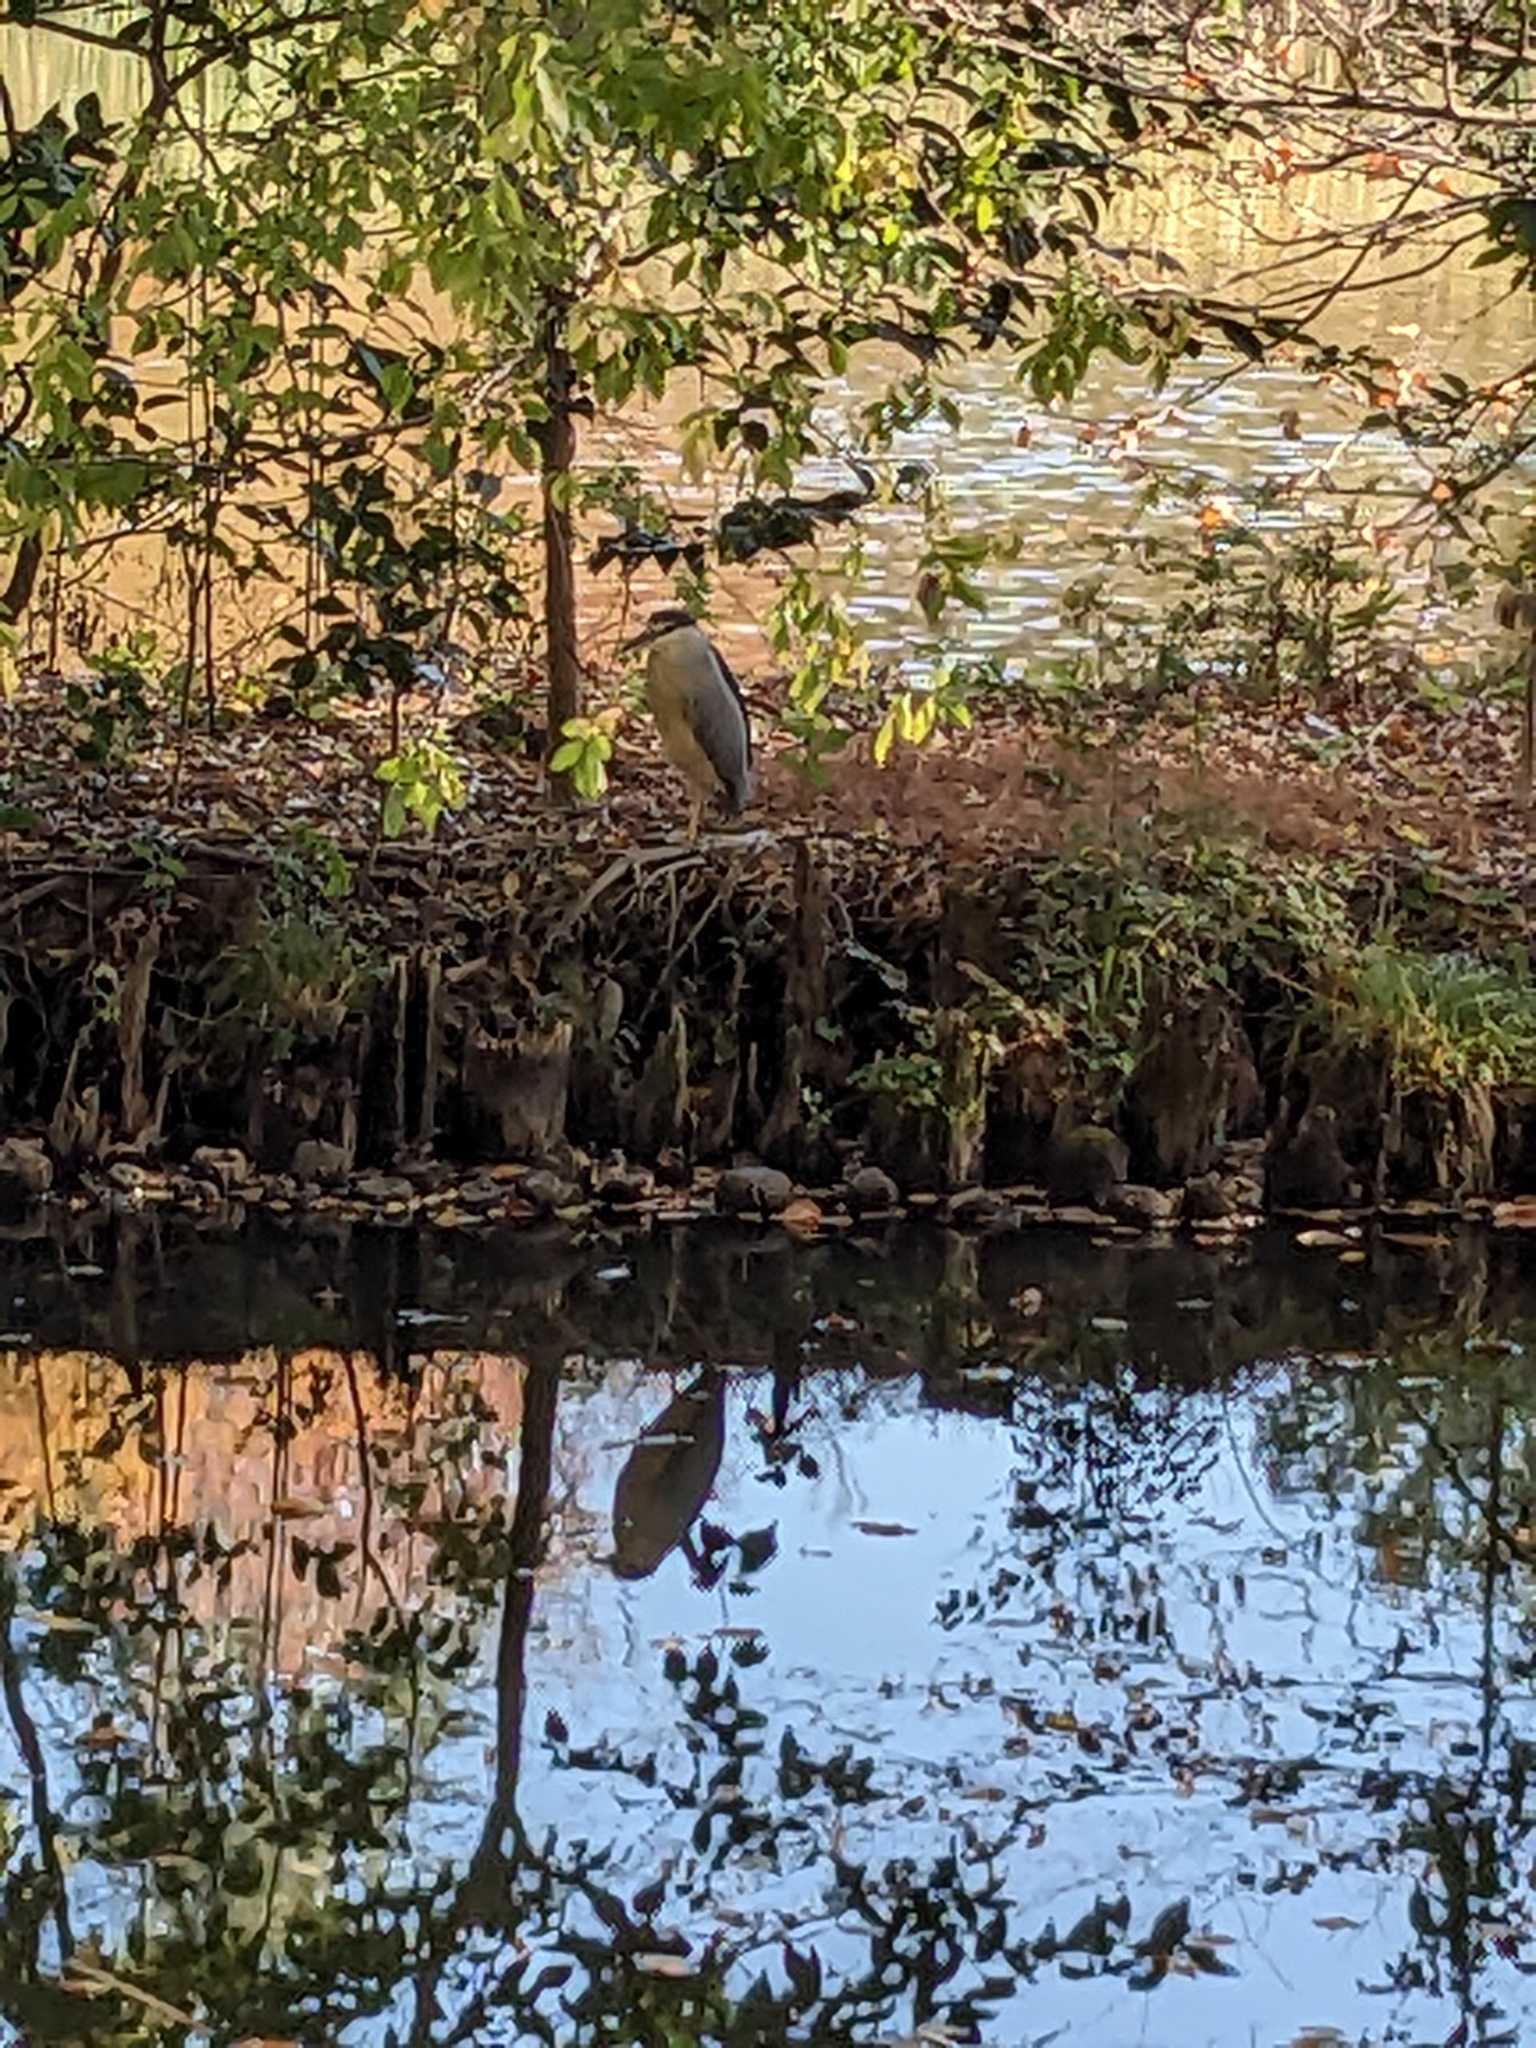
[{"x": 1288, "y": 781}]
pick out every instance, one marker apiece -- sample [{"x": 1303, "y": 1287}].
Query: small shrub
[
  {"x": 110, "y": 710},
  {"x": 421, "y": 782},
  {"x": 1443, "y": 1021}
]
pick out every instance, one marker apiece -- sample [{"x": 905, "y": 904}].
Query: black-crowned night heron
[{"x": 699, "y": 712}]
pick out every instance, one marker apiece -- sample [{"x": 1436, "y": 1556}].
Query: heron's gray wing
[
  {"x": 729, "y": 679},
  {"x": 667, "y": 1478}
]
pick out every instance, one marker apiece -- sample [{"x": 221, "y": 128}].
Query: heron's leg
[{"x": 695, "y": 818}]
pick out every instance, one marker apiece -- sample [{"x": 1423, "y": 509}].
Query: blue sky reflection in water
[
  {"x": 1206, "y": 1618},
  {"x": 1042, "y": 1676}
]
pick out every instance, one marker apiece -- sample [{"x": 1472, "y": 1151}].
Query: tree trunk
[
  {"x": 557, "y": 446},
  {"x": 17, "y": 594},
  {"x": 1515, "y": 611}
]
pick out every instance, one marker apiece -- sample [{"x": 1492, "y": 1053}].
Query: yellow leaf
[{"x": 698, "y": 445}]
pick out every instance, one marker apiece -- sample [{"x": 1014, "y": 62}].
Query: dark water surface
[{"x": 717, "y": 1639}]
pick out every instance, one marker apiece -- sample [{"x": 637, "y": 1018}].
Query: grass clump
[
  {"x": 1114, "y": 934},
  {"x": 1442, "y": 1021}
]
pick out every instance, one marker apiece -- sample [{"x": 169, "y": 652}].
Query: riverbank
[{"x": 1039, "y": 973}]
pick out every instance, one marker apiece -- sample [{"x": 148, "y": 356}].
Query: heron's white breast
[{"x": 681, "y": 662}]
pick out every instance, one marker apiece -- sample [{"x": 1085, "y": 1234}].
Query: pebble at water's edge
[{"x": 219, "y": 1181}]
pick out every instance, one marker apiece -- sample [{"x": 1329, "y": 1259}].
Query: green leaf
[
  {"x": 591, "y": 776},
  {"x": 113, "y": 484}
]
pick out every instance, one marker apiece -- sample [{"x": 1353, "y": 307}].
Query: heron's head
[{"x": 668, "y": 620}]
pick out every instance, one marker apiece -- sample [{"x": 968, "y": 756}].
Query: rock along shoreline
[{"x": 806, "y": 1032}]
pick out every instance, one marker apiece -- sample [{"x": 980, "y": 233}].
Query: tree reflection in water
[{"x": 842, "y": 1661}]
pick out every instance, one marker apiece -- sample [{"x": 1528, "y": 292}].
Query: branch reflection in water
[{"x": 1001, "y": 1637}]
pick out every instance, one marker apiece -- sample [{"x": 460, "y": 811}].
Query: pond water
[{"x": 707, "y": 1638}]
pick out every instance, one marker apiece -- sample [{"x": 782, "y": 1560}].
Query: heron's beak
[{"x": 640, "y": 639}]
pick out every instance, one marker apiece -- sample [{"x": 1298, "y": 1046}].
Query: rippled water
[{"x": 708, "y": 1639}]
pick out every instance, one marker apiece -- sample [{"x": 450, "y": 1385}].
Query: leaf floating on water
[
  {"x": 884, "y": 1529},
  {"x": 664, "y": 1966},
  {"x": 1205, "y": 1960},
  {"x": 802, "y": 1218},
  {"x": 1168, "y": 1930},
  {"x": 1332, "y": 1923},
  {"x": 1324, "y": 1240},
  {"x": 103, "y": 1736}
]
